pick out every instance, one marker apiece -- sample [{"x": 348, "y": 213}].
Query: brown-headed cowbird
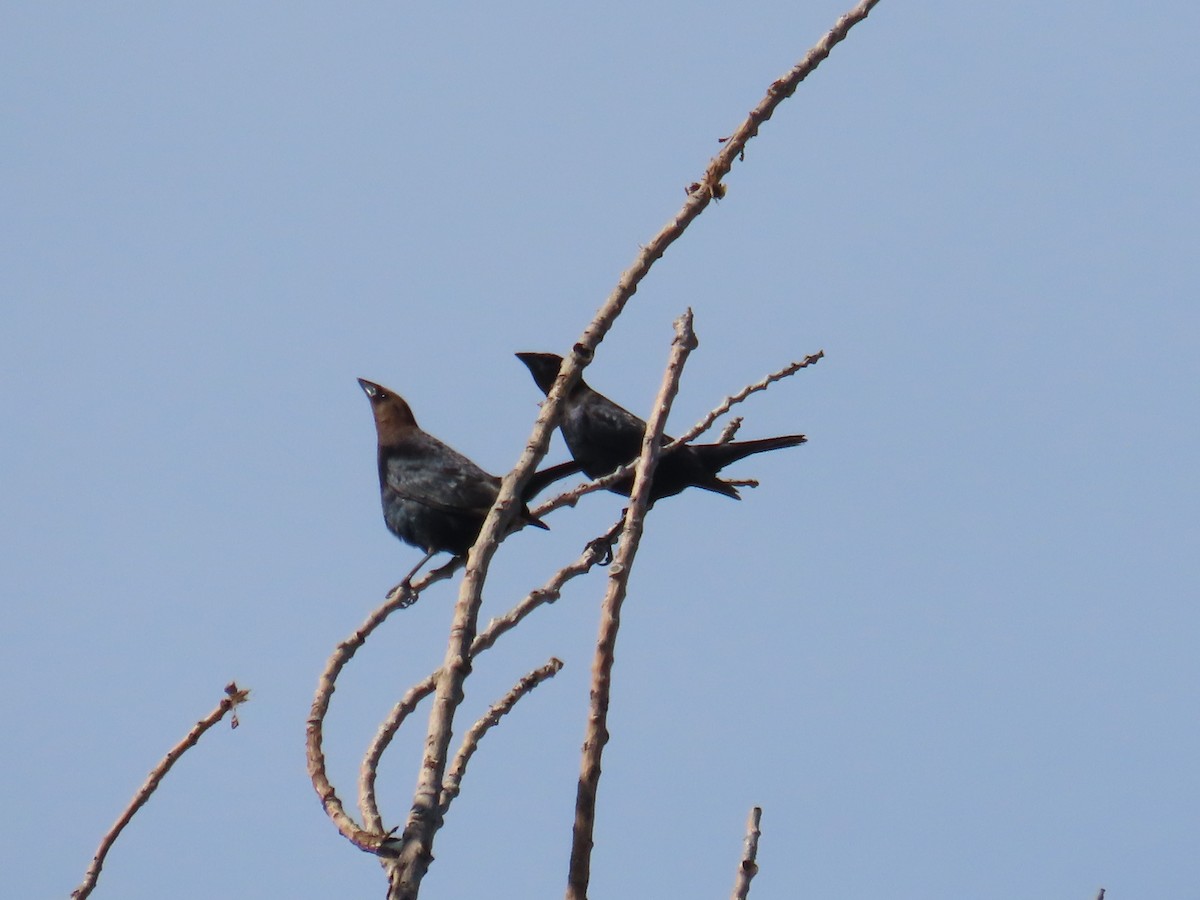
[
  {"x": 603, "y": 436},
  {"x": 434, "y": 497}
]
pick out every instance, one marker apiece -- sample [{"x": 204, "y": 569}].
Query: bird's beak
[{"x": 370, "y": 388}]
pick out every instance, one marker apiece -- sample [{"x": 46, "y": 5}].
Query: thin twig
[
  {"x": 548, "y": 593},
  {"x": 729, "y": 432},
  {"x": 733, "y": 399},
  {"x": 368, "y": 805},
  {"x": 749, "y": 865},
  {"x": 735, "y": 145},
  {"x": 233, "y": 696},
  {"x": 454, "y": 775},
  {"x": 596, "y": 735}
]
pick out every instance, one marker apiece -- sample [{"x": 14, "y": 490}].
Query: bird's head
[
  {"x": 392, "y": 415},
  {"x": 543, "y": 367}
]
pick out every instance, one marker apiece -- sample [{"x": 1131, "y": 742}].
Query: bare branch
[
  {"x": 233, "y": 697},
  {"x": 407, "y": 870},
  {"x": 749, "y": 866},
  {"x": 548, "y": 593},
  {"x": 729, "y": 432},
  {"x": 365, "y": 839},
  {"x": 735, "y": 145},
  {"x": 470, "y": 743},
  {"x": 596, "y": 735},
  {"x": 369, "y": 770},
  {"x": 733, "y": 399}
]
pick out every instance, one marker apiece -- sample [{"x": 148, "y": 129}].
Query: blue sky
[{"x": 949, "y": 645}]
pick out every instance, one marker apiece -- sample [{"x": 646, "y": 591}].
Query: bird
[
  {"x": 433, "y": 497},
  {"x": 603, "y": 436}
]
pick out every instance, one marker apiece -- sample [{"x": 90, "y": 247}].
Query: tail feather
[
  {"x": 539, "y": 481},
  {"x": 721, "y": 455},
  {"x": 531, "y": 519}
]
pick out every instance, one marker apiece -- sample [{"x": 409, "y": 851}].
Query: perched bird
[
  {"x": 603, "y": 436},
  {"x": 434, "y": 498}
]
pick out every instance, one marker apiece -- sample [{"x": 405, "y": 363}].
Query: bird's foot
[
  {"x": 404, "y": 590},
  {"x": 403, "y": 593},
  {"x": 602, "y": 547}
]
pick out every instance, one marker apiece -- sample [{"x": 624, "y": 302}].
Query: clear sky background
[{"x": 950, "y": 645}]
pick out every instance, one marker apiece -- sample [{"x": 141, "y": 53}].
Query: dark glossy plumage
[
  {"x": 603, "y": 436},
  {"x": 433, "y": 497}
]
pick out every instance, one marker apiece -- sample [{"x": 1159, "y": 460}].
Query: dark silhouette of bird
[
  {"x": 433, "y": 497},
  {"x": 603, "y": 436}
]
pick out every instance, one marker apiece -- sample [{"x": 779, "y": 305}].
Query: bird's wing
[
  {"x": 598, "y": 430},
  {"x": 428, "y": 472}
]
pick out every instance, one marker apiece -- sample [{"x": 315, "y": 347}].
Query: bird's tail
[
  {"x": 539, "y": 481},
  {"x": 721, "y": 455}
]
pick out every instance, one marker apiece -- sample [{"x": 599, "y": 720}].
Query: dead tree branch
[
  {"x": 547, "y": 593},
  {"x": 749, "y": 865},
  {"x": 498, "y": 710},
  {"x": 734, "y": 399},
  {"x": 365, "y": 839},
  {"x": 233, "y": 697},
  {"x": 596, "y": 735}
]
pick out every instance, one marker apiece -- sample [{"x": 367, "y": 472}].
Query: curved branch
[
  {"x": 369, "y": 839},
  {"x": 454, "y": 776},
  {"x": 548, "y": 593}
]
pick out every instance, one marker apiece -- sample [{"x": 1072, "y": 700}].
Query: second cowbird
[
  {"x": 603, "y": 436},
  {"x": 433, "y": 497}
]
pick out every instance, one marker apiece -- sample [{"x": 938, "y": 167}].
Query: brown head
[{"x": 393, "y": 418}]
